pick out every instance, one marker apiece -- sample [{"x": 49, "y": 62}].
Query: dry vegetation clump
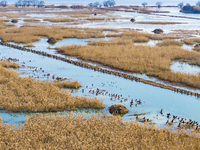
[
  {"x": 197, "y": 40},
  {"x": 188, "y": 41},
  {"x": 31, "y": 20},
  {"x": 29, "y": 45},
  {"x": 153, "y": 61},
  {"x": 93, "y": 132},
  {"x": 9, "y": 25},
  {"x": 4, "y": 20},
  {"x": 129, "y": 37},
  {"x": 96, "y": 19},
  {"x": 157, "y": 37},
  {"x": 191, "y": 41},
  {"x": 140, "y": 39},
  {"x": 8, "y": 64},
  {"x": 170, "y": 43},
  {"x": 2, "y": 25},
  {"x": 119, "y": 41},
  {"x": 196, "y": 48},
  {"x": 68, "y": 84},
  {"x": 100, "y": 19},
  {"x": 59, "y": 19},
  {"x": 19, "y": 94}
]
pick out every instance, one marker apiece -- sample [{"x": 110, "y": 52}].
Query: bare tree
[
  {"x": 187, "y": 4},
  {"x": 35, "y": 2},
  {"x": 29, "y": 3},
  {"x": 90, "y": 4},
  {"x": 96, "y": 4},
  {"x": 180, "y": 5},
  {"x": 159, "y": 4},
  {"x": 109, "y": 3},
  {"x": 41, "y": 4},
  {"x": 3, "y": 3},
  {"x": 198, "y": 3},
  {"x": 144, "y": 4}
]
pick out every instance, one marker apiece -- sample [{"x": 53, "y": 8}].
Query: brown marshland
[{"x": 19, "y": 94}]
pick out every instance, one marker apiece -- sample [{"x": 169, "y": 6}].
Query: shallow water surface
[{"x": 185, "y": 68}]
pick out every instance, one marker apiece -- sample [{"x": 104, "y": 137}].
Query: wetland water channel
[{"x": 153, "y": 98}]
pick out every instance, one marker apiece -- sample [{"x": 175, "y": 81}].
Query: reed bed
[
  {"x": 93, "y": 132},
  {"x": 8, "y": 64},
  {"x": 100, "y": 19},
  {"x": 4, "y": 20},
  {"x": 119, "y": 41},
  {"x": 188, "y": 41},
  {"x": 59, "y": 19},
  {"x": 2, "y": 25},
  {"x": 32, "y": 34},
  {"x": 170, "y": 43},
  {"x": 73, "y": 14},
  {"x": 9, "y": 25},
  {"x": 19, "y": 94},
  {"x": 153, "y": 61},
  {"x": 9, "y": 15},
  {"x": 157, "y": 37},
  {"x": 68, "y": 84},
  {"x": 158, "y": 22},
  {"x": 196, "y": 40},
  {"x": 31, "y": 20},
  {"x": 19, "y": 38},
  {"x": 191, "y": 41},
  {"x": 115, "y": 41},
  {"x": 197, "y": 49}
]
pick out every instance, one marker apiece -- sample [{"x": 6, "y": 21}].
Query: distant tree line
[
  {"x": 27, "y": 3},
  {"x": 158, "y": 4},
  {"x": 108, "y": 3},
  {"x": 190, "y": 9},
  {"x": 3, "y": 3}
]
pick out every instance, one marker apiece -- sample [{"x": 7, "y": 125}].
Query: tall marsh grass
[
  {"x": 59, "y": 19},
  {"x": 8, "y": 64},
  {"x": 32, "y": 34},
  {"x": 93, "y": 132},
  {"x": 158, "y": 22},
  {"x": 170, "y": 43},
  {"x": 19, "y": 94},
  {"x": 188, "y": 41},
  {"x": 154, "y": 61},
  {"x": 67, "y": 84}
]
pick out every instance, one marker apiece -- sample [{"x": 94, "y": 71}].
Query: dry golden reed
[
  {"x": 67, "y": 84},
  {"x": 8, "y": 64},
  {"x": 153, "y": 61},
  {"x": 170, "y": 43},
  {"x": 59, "y": 19},
  {"x": 188, "y": 41},
  {"x": 19, "y": 94},
  {"x": 31, "y": 20},
  {"x": 158, "y": 22},
  {"x": 32, "y": 34},
  {"x": 197, "y": 40},
  {"x": 93, "y": 132}
]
